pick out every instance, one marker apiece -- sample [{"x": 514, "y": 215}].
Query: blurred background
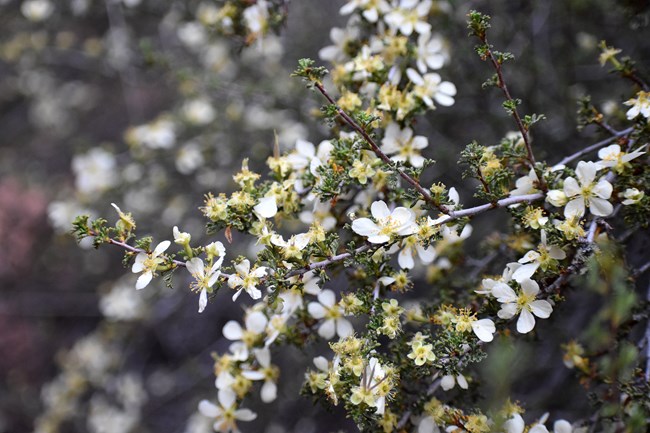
[{"x": 143, "y": 104}]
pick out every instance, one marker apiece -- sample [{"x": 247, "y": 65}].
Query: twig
[
  {"x": 375, "y": 148},
  {"x": 594, "y": 146}
]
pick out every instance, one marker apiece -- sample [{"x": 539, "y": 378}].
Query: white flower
[
  {"x": 147, "y": 264},
  {"x": 37, "y": 10},
  {"x": 409, "y": 16},
  {"x": 294, "y": 246},
  {"x": 204, "y": 278},
  {"x": 431, "y": 86},
  {"x": 246, "y": 279},
  {"x": 192, "y": 34},
  {"x": 199, "y": 111},
  {"x": 526, "y": 184},
  {"x": 369, "y": 391},
  {"x": 95, "y": 171},
  {"x": 430, "y": 52},
  {"x": 226, "y": 413},
  {"x": 371, "y": 8},
  {"x": 632, "y": 196},
  {"x": 255, "y": 322},
  {"x": 587, "y": 192},
  {"x": 400, "y": 221},
  {"x": 122, "y": 303},
  {"x": 257, "y": 16},
  {"x": 612, "y": 156},
  {"x": 160, "y": 134},
  {"x": 402, "y": 143},
  {"x": 640, "y": 105},
  {"x": 334, "y": 323},
  {"x": 449, "y": 381},
  {"x": 523, "y": 304},
  {"x": 341, "y": 39},
  {"x": 266, "y": 372},
  {"x": 189, "y": 158},
  {"x": 321, "y": 212},
  {"x": 181, "y": 238},
  {"x": 532, "y": 260}
]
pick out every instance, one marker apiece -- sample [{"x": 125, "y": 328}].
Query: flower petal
[{"x": 526, "y": 322}]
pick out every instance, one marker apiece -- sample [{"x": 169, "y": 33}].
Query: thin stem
[
  {"x": 515, "y": 114},
  {"x": 594, "y": 146},
  {"x": 375, "y": 148}
]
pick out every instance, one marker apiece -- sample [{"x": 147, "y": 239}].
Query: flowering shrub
[{"x": 356, "y": 246}]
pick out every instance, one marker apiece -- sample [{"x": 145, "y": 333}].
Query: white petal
[
  {"x": 203, "y": 300},
  {"x": 379, "y": 210},
  {"x": 138, "y": 265},
  {"x": 195, "y": 267},
  {"x": 538, "y": 428},
  {"x": 526, "y": 322},
  {"x": 484, "y": 329},
  {"x": 233, "y": 331},
  {"x": 327, "y": 298},
  {"x": 428, "y": 425},
  {"x": 507, "y": 311},
  {"x": 504, "y": 293},
  {"x": 143, "y": 280},
  {"x": 316, "y": 310},
  {"x": 447, "y": 382},
  {"x": 525, "y": 272},
  {"x": 462, "y": 382},
  {"x": 541, "y": 308},
  {"x": 600, "y": 207},
  {"x": 344, "y": 328},
  {"x": 405, "y": 258},
  {"x": 321, "y": 363},
  {"x": 227, "y": 398},
  {"x": 209, "y": 409},
  {"x": 263, "y": 356},
  {"x": 575, "y": 207},
  {"x": 245, "y": 415},
  {"x": 161, "y": 248},
  {"x": 514, "y": 425},
  {"x": 364, "y": 227},
  {"x": 327, "y": 329},
  {"x": 256, "y": 322},
  {"x": 603, "y": 189},
  {"x": 562, "y": 426},
  {"x": 269, "y": 391},
  {"x": 267, "y": 207},
  {"x": 571, "y": 187},
  {"x": 529, "y": 287}
]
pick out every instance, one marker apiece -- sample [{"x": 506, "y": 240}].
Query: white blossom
[
  {"x": 401, "y": 221},
  {"x": 147, "y": 264},
  {"x": 586, "y": 192},
  {"x": 225, "y": 414},
  {"x": 430, "y": 86},
  {"x": 522, "y": 303},
  {"x": 328, "y": 309},
  {"x": 403, "y": 145},
  {"x": 246, "y": 279}
]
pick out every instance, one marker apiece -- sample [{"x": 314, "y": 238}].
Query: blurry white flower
[
  {"x": 266, "y": 372},
  {"x": 95, "y": 171},
  {"x": 226, "y": 413},
  {"x": 410, "y": 16},
  {"x": 341, "y": 38},
  {"x": 205, "y": 276},
  {"x": 640, "y": 105},
  {"x": 192, "y": 34},
  {"x": 430, "y": 86},
  {"x": 371, "y": 8},
  {"x": 121, "y": 303},
  {"x": 612, "y": 156},
  {"x": 430, "y": 52},
  {"x": 189, "y": 158},
  {"x": 37, "y": 10},
  {"x": 334, "y": 323},
  {"x": 403, "y": 145},
  {"x": 632, "y": 196},
  {"x": 199, "y": 111},
  {"x": 532, "y": 260},
  {"x": 526, "y": 184}
]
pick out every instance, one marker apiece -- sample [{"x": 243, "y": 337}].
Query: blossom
[
  {"x": 95, "y": 171},
  {"x": 226, "y": 413},
  {"x": 37, "y": 10},
  {"x": 401, "y": 221},
  {"x": 612, "y": 156},
  {"x": 341, "y": 39},
  {"x": 483, "y": 329},
  {"x": 267, "y": 207},
  {"x": 293, "y": 247},
  {"x": 546, "y": 256},
  {"x": 430, "y": 52},
  {"x": 522, "y": 303},
  {"x": 147, "y": 264},
  {"x": 246, "y": 279},
  {"x": 266, "y": 372},
  {"x": 587, "y": 192},
  {"x": 402, "y": 143},
  {"x": 526, "y": 184},
  {"x": 488, "y": 284},
  {"x": 640, "y": 105},
  {"x": 205, "y": 276},
  {"x": 255, "y": 324},
  {"x": 181, "y": 238},
  {"x": 409, "y": 16},
  {"x": 421, "y": 353},
  {"x": 199, "y": 111},
  {"x": 334, "y": 322},
  {"x": 632, "y": 196},
  {"x": 430, "y": 86},
  {"x": 371, "y": 8}
]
